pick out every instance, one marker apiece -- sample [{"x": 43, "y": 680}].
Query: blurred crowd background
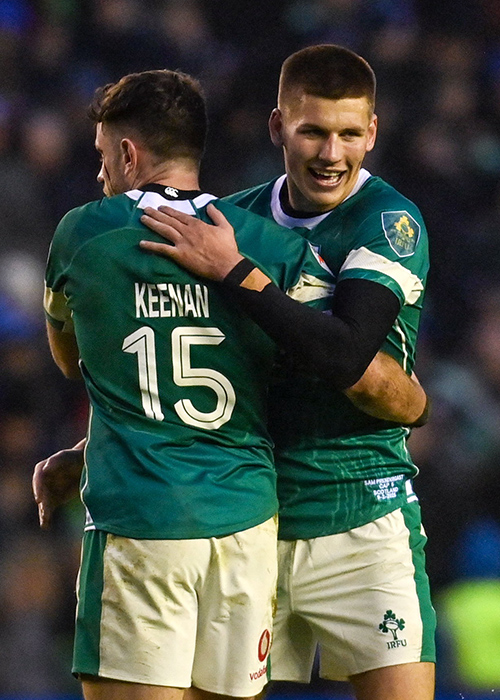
[{"x": 438, "y": 69}]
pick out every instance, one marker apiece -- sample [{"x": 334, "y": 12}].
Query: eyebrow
[{"x": 311, "y": 125}]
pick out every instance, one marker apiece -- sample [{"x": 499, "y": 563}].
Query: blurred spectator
[{"x": 189, "y": 42}]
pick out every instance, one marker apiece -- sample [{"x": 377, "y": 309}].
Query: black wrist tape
[{"x": 239, "y": 272}]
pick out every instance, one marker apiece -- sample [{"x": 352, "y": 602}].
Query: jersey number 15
[{"x": 142, "y": 343}]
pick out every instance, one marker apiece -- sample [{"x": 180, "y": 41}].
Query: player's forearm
[
  {"x": 337, "y": 347},
  {"x": 386, "y": 392}
]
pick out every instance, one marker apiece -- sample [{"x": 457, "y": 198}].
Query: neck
[
  {"x": 181, "y": 174},
  {"x": 290, "y": 210}
]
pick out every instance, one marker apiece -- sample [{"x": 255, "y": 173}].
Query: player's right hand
[
  {"x": 207, "y": 250},
  {"x": 55, "y": 481}
]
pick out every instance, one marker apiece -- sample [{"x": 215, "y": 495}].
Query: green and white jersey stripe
[
  {"x": 337, "y": 467},
  {"x": 363, "y": 262}
]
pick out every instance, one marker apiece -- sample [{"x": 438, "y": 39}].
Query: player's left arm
[
  {"x": 64, "y": 349},
  {"x": 58, "y": 315},
  {"x": 337, "y": 347}
]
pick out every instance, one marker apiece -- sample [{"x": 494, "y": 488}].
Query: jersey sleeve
[
  {"x": 55, "y": 303},
  {"x": 392, "y": 250}
]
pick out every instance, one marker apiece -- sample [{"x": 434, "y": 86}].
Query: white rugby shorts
[
  {"x": 361, "y": 598},
  {"x": 178, "y": 612}
]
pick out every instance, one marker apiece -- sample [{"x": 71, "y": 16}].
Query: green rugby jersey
[
  {"x": 339, "y": 468},
  {"x": 177, "y": 377}
]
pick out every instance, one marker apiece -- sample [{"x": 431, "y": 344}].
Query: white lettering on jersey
[
  {"x": 168, "y": 300},
  {"x": 386, "y": 488}
]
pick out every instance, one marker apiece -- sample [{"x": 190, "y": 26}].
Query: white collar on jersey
[
  {"x": 311, "y": 221},
  {"x": 155, "y": 200}
]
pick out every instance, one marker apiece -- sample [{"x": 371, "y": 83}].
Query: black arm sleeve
[{"x": 337, "y": 347}]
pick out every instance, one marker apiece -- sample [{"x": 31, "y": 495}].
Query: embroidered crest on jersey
[{"x": 402, "y": 232}]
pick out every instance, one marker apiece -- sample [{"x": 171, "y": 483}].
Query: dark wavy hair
[{"x": 165, "y": 108}]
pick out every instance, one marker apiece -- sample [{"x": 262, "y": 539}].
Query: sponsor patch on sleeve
[{"x": 401, "y": 231}]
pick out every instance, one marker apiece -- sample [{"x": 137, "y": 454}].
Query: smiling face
[{"x": 324, "y": 143}]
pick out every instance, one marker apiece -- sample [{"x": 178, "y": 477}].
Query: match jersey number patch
[{"x": 142, "y": 343}]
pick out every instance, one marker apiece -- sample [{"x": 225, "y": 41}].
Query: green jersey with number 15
[
  {"x": 177, "y": 376},
  {"x": 339, "y": 468}
]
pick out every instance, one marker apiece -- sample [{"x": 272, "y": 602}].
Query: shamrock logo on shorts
[{"x": 391, "y": 624}]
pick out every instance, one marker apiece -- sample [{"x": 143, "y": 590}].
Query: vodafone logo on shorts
[
  {"x": 262, "y": 651},
  {"x": 264, "y": 644}
]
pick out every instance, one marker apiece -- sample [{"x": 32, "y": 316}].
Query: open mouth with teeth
[{"x": 326, "y": 177}]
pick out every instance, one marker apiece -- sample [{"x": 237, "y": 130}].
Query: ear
[
  {"x": 372, "y": 133},
  {"x": 130, "y": 156},
  {"x": 276, "y": 127}
]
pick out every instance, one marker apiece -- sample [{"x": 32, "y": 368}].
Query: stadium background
[{"x": 438, "y": 67}]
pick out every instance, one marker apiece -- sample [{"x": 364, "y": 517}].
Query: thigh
[
  {"x": 137, "y": 608},
  {"x": 413, "y": 681},
  {"x": 105, "y": 689},
  {"x": 235, "y": 613}
]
